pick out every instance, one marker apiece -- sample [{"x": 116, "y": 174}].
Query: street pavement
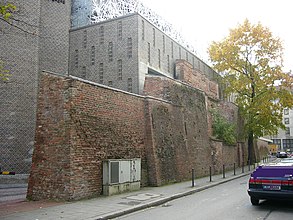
[{"x": 108, "y": 207}]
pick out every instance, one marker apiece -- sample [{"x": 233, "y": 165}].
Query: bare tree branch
[
  {"x": 17, "y": 27},
  {"x": 21, "y": 21}
]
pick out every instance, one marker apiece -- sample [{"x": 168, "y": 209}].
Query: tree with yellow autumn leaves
[
  {"x": 250, "y": 62},
  {"x": 6, "y": 11},
  {"x": 12, "y": 16},
  {"x": 15, "y": 17}
]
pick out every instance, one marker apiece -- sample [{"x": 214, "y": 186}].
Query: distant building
[{"x": 284, "y": 138}]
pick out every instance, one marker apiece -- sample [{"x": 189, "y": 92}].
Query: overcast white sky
[{"x": 204, "y": 21}]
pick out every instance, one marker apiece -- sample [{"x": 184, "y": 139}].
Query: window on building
[
  {"x": 119, "y": 67},
  {"x": 287, "y": 131},
  {"x": 129, "y": 47},
  {"x": 102, "y": 34},
  {"x": 129, "y": 84},
  {"x": 186, "y": 56},
  {"x": 286, "y": 121},
  {"x": 83, "y": 72},
  {"x": 154, "y": 37},
  {"x": 93, "y": 55},
  {"x": 287, "y": 143},
  {"x": 119, "y": 29},
  {"x": 159, "y": 58},
  {"x": 101, "y": 73},
  {"x": 84, "y": 39},
  {"x": 168, "y": 63},
  {"x": 149, "y": 53},
  {"x": 110, "y": 83},
  {"x": 193, "y": 63},
  {"x": 76, "y": 59},
  {"x": 277, "y": 142},
  {"x": 142, "y": 29},
  {"x": 179, "y": 52},
  {"x": 164, "y": 45},
  {"x": 59, "y": 1},
  {"x": 110, "y": 51},
  {"x": 286, "y": 111}
]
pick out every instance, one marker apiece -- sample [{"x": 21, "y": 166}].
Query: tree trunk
[{"x": 251, "y": 158}]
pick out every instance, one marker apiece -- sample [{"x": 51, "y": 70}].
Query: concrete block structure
[{"x": 121, "y": 52}]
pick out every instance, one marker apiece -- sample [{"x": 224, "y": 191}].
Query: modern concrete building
[
  {"x": 284, "y": 138},
  {"x": 42, "y": 44},
  {"x": 120, "y": 52},
  {"x": 112, "y": 42}
]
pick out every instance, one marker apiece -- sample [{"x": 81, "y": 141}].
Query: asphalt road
[{"x": 226, "y": 201}]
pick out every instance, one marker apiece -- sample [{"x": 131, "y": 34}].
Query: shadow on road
[{"x": 274, "y": 205}]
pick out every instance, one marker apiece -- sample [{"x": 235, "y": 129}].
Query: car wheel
[{"x": 254, "y": 201}]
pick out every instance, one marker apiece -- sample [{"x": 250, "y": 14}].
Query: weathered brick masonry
[
  {"x": 230, "y": 154},
  {"x": 80, "y": 124},
  {"x": 51, "y": 168},
  {"x": 197, "y": 79},
  {"x": 180, "y": 130},
  {"x": 214, "y": 153},
  {"x": 178, "y": 141}
]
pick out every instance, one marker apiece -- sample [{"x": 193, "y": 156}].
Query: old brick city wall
[
  {"x": 178, "y": 132},
  {"x": 78, "y": 126},
  {"x": 217, "y": 153},
  {"x": 221, "y": 152},
  {"x": 81, "y": 124}
]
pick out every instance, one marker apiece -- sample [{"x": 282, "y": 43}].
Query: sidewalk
[{"x": 112, "y": 206}]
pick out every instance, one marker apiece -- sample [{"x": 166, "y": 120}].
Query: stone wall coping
[
  {"x": 177, "y": 81},
  {"x": 110, "y": 88}
]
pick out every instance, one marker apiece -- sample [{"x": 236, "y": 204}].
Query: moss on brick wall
[{"x": 179, "y": 132}]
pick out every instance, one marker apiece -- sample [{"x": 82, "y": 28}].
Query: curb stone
[{"x": 166, "y": 199}]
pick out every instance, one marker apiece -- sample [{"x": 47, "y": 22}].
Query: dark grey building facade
[
  {"x": 120, "y": 52},
  {"x": 41, "y": 45}
]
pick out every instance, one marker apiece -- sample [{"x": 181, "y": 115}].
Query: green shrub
[{"x": 223, "y": 129}]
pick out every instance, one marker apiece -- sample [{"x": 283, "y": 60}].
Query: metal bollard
[
  {"x": 210, "y": 174},
  {"x": 242, "y": 167},
  {"x": 223, "y": 171},
  {"x": 193, "y": 176},
  {"x": 249, "y": 165},
  {"x": 234, "y": 169}
]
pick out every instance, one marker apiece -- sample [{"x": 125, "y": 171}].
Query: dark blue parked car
[{"x": 272, "y": 182}]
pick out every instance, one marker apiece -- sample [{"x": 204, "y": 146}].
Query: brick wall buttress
[
  {"x": 179, "y": 128},
  {"x": 51, "y": 163}
]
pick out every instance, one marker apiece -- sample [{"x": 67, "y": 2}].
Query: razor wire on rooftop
[{"x": 94, "y": 11}]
